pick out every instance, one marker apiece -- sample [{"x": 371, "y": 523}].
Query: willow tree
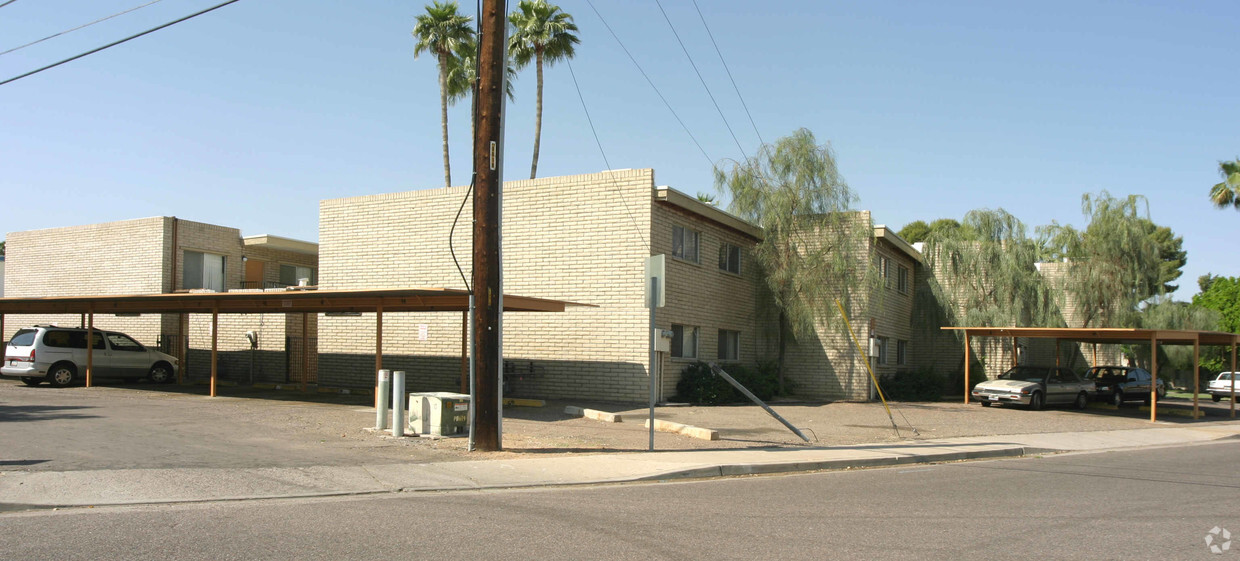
[
  {"x": 808, "y": 254},
  {"x": 1113, "y": 265}
]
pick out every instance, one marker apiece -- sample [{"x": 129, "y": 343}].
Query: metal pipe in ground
[
  {"x": 381, "y": 405},
  {"x": 398, "y": 403}
]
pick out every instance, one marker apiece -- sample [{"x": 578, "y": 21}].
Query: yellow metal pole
[
  {"x": 966, "y": 366},
  {"x": 90, "y": 347},
  {"x": 305, "y": 352},
  {"x": 215, "y": 335},
  {"x": 378, "y": 350},
  {"x": 863, "y": 354},
  {"x": 1154, "y": 372},
  {"x": 1196, "y": 374}
]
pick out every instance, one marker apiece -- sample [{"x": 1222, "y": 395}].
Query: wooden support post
[
  {"x": 182, "y": 351},
  {"x": 1014, "y": 358},
  {"x": 1233, "y": 378},
  {"x": 378, "y": 352},
  {"x": 1154, "y": 373},
  {"x": 1196, "y": 374},
  {"x": 2, "y": 340},
  {"x": 305, "y": 352},
  {"x": 90, "y": 348},
  {"x": 1058, "y": 350},
  {"x": 1095, "y": 361},
  {"x": 215, "y": 336},
  {"x": 966, "y": 367}
]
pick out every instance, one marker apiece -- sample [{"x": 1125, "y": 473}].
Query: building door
[{"x": 254, "y": 270}]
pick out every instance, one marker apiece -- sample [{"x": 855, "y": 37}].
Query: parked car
[
  {"x": 1118, "y": 384},
  {"x": 58, "y": 355},
  {"x": 1220, "y": 387},
  {"x": 1035, "y": 386}
]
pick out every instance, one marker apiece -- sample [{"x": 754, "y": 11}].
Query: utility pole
[{"x": 488, "y": 198}]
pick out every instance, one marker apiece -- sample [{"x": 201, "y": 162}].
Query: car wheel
[
  {"x": 1161, "y": 392},
  {"x": 161, "y": 373},
  {"x": 1082, "y": 400},
  {"x": 1117, "y": 399},
  {"x": 1035, "y": 401},
  {"x": 61, "y": 375},
  {"x": 1216, "y": 398},
  {"x": 32, "y": 382},
  {"x": 985, "y": 403}
]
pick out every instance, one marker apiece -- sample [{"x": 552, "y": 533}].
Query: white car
[
  {"x": 1036, "y": 386},
  {"x": 1220, "y": 387},
  {"x": 58, "y": 355}
]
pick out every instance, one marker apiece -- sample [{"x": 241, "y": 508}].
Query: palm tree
[
  {"x": 544, "y": 34},
  {"x": 1227, "y": 193},
  {"x": 442, "y": 32}
]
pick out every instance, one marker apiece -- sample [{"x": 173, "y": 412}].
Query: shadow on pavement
[{"x": 31, "y": 413}]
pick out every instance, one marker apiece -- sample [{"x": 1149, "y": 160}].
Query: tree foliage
[
  {"x": 793, "y": 190},
  {"x": 1113, "y": 265},
  {"x": 545, "y": 35},
  {"x": 443, "y": 32},
  {"x": 1221, "y": 294},
  {"x": 915, "y": 231},
  {"x": 985, "y": 273},
  {"x": 1171, "y": 252},
  {"x": 1227, "y": 192},
  {"x": 918, "y": 231}
]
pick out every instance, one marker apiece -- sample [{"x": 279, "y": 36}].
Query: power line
[
  {"x": 729, "y": 71},
  {"x": 115, "y": 43},
  {"x": 76, "y": 28},
  {"x": 616, "y": 186},
  {"x": 701, "y": 79},
  {"x": 7, "y": 3},
  {"x": 649, "y": 81}
]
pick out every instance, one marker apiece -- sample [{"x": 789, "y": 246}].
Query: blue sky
[{"x": 249, "y": 115}]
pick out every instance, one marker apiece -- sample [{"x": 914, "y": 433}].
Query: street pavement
[{"x": 35, "y": 489}]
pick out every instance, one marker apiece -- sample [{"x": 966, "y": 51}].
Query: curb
[{"x": 726, "y": 470}]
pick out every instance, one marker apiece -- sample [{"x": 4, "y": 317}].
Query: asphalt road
[{"x": 1147, "y": 504}]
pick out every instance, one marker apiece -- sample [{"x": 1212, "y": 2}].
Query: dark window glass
[
  {"x": 23, "y": 338},
  {"x": 121, "y": 342}
]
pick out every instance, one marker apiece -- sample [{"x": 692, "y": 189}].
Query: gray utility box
[{"x": 439, "y": 413}]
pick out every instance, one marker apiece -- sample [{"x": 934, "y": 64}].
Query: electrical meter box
[{"x": 439, "y": 413}]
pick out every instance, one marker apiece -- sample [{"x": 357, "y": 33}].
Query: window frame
[
  {"x": 901, "y": 352},
  {"x": 313, "y": 274},
  {"x": 678, "y": 332},
  {"x": 202, "y": 281},
  {"x": 726, "y": 262},
  {"x": 902, "y": 276},
  {"x": 884, "y": 269},
  {"x": 882, "y": 351},
  {"x": 729, "y": 340},
  {"x": 681, "y": 232}
]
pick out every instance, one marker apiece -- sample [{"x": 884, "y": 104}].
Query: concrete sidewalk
[{"x": 26, "y": 490}]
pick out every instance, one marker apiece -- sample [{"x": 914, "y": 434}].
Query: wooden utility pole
[{"x": 488, "y": 196}]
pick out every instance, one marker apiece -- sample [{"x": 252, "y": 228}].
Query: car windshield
[
  {"x": 23, "y": 338},
  {"x": 1223, "y": 376},
  {"x": 1025, "y": 374}
]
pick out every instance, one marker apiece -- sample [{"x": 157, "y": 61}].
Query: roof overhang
[
  {"x": 1107, "y": 335},
  {"x": 884, "y": 233},
  {"x": 684, "y": 202},
  {"x": 281, "y": 243},
  {"x": 267, "y": 302}
]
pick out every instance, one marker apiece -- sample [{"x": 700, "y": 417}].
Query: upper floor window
[
  {"x": 884, "y": 270},
  {"x": 684, "y": 244},
  {"x": 291, "y": 275},
  {"x": 203, "y": 270},
  {"x": 730, "y": 258},
  {"x": 902, "y": 279}
]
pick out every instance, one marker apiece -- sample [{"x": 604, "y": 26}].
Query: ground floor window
[
  {"x": 902, "y": 353},
  {"x": 729, "y": 345},
  {"x": 882, "y": 350},
  {"x": 684, "y": 341}
]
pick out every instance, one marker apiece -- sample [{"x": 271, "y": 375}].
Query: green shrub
[
  {"x": 909, "y": 385},
  {"x": 699, "y": 385}
]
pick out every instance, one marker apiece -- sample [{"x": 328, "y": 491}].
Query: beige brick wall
[{"x": 566, "y": 238}]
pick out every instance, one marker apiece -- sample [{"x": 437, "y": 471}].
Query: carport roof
[
  {"x": 1107, "y": 335},
  {"x": 284, "y": 301}
]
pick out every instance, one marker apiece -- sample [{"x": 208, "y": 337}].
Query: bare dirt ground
[{"x": 147, "y": 426}]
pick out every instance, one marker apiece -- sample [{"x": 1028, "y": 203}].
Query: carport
[
  {"x": 298, "y": 301},
  {"x": 1113, "y": 336}
]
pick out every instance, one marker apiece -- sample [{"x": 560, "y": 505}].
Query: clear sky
[{"x": 249, "y": 115}]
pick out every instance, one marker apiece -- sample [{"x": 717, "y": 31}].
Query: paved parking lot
[{"x": 161, "y": 426}]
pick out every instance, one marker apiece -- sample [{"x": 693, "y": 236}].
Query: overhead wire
[
  {"x": 700, "y": 78},
  {"x": 729, "y": 72},
  {"x": 115, "y": 43},
  {"x": 18, "y": 48},
  {"x": 7, "y": 3},
  {"x": 651, "y": 82},
  {"x": 598, "y": 142}
]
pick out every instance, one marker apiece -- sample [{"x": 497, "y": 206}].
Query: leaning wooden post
[
  {"x": 1, "y": 328},
  {"x": 378, "y": 352},
  {"x": 1196, "y": 374},
  {"x": 966, "y": 367},
  {"x": 90, "y": 347},
  {"x": 1154, "y": 372},
  {"x": 215, "y": 335}
]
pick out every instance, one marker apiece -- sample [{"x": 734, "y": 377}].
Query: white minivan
[{"x": 58, "y": 355}]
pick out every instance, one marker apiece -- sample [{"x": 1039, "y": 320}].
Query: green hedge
[{"x": 700, "y": 386}]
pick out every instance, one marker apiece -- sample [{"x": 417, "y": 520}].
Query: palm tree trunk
[
  {"x": 443, "y": 116},
  {"x": 537, "y": 116}
]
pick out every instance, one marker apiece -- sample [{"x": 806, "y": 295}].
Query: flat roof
[
  {"x": 279, "y": 242},
  {"x": 717, "y": 215},
  {"x": 1107, "y": 334},
  {"x": 274, "y": 302}
]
